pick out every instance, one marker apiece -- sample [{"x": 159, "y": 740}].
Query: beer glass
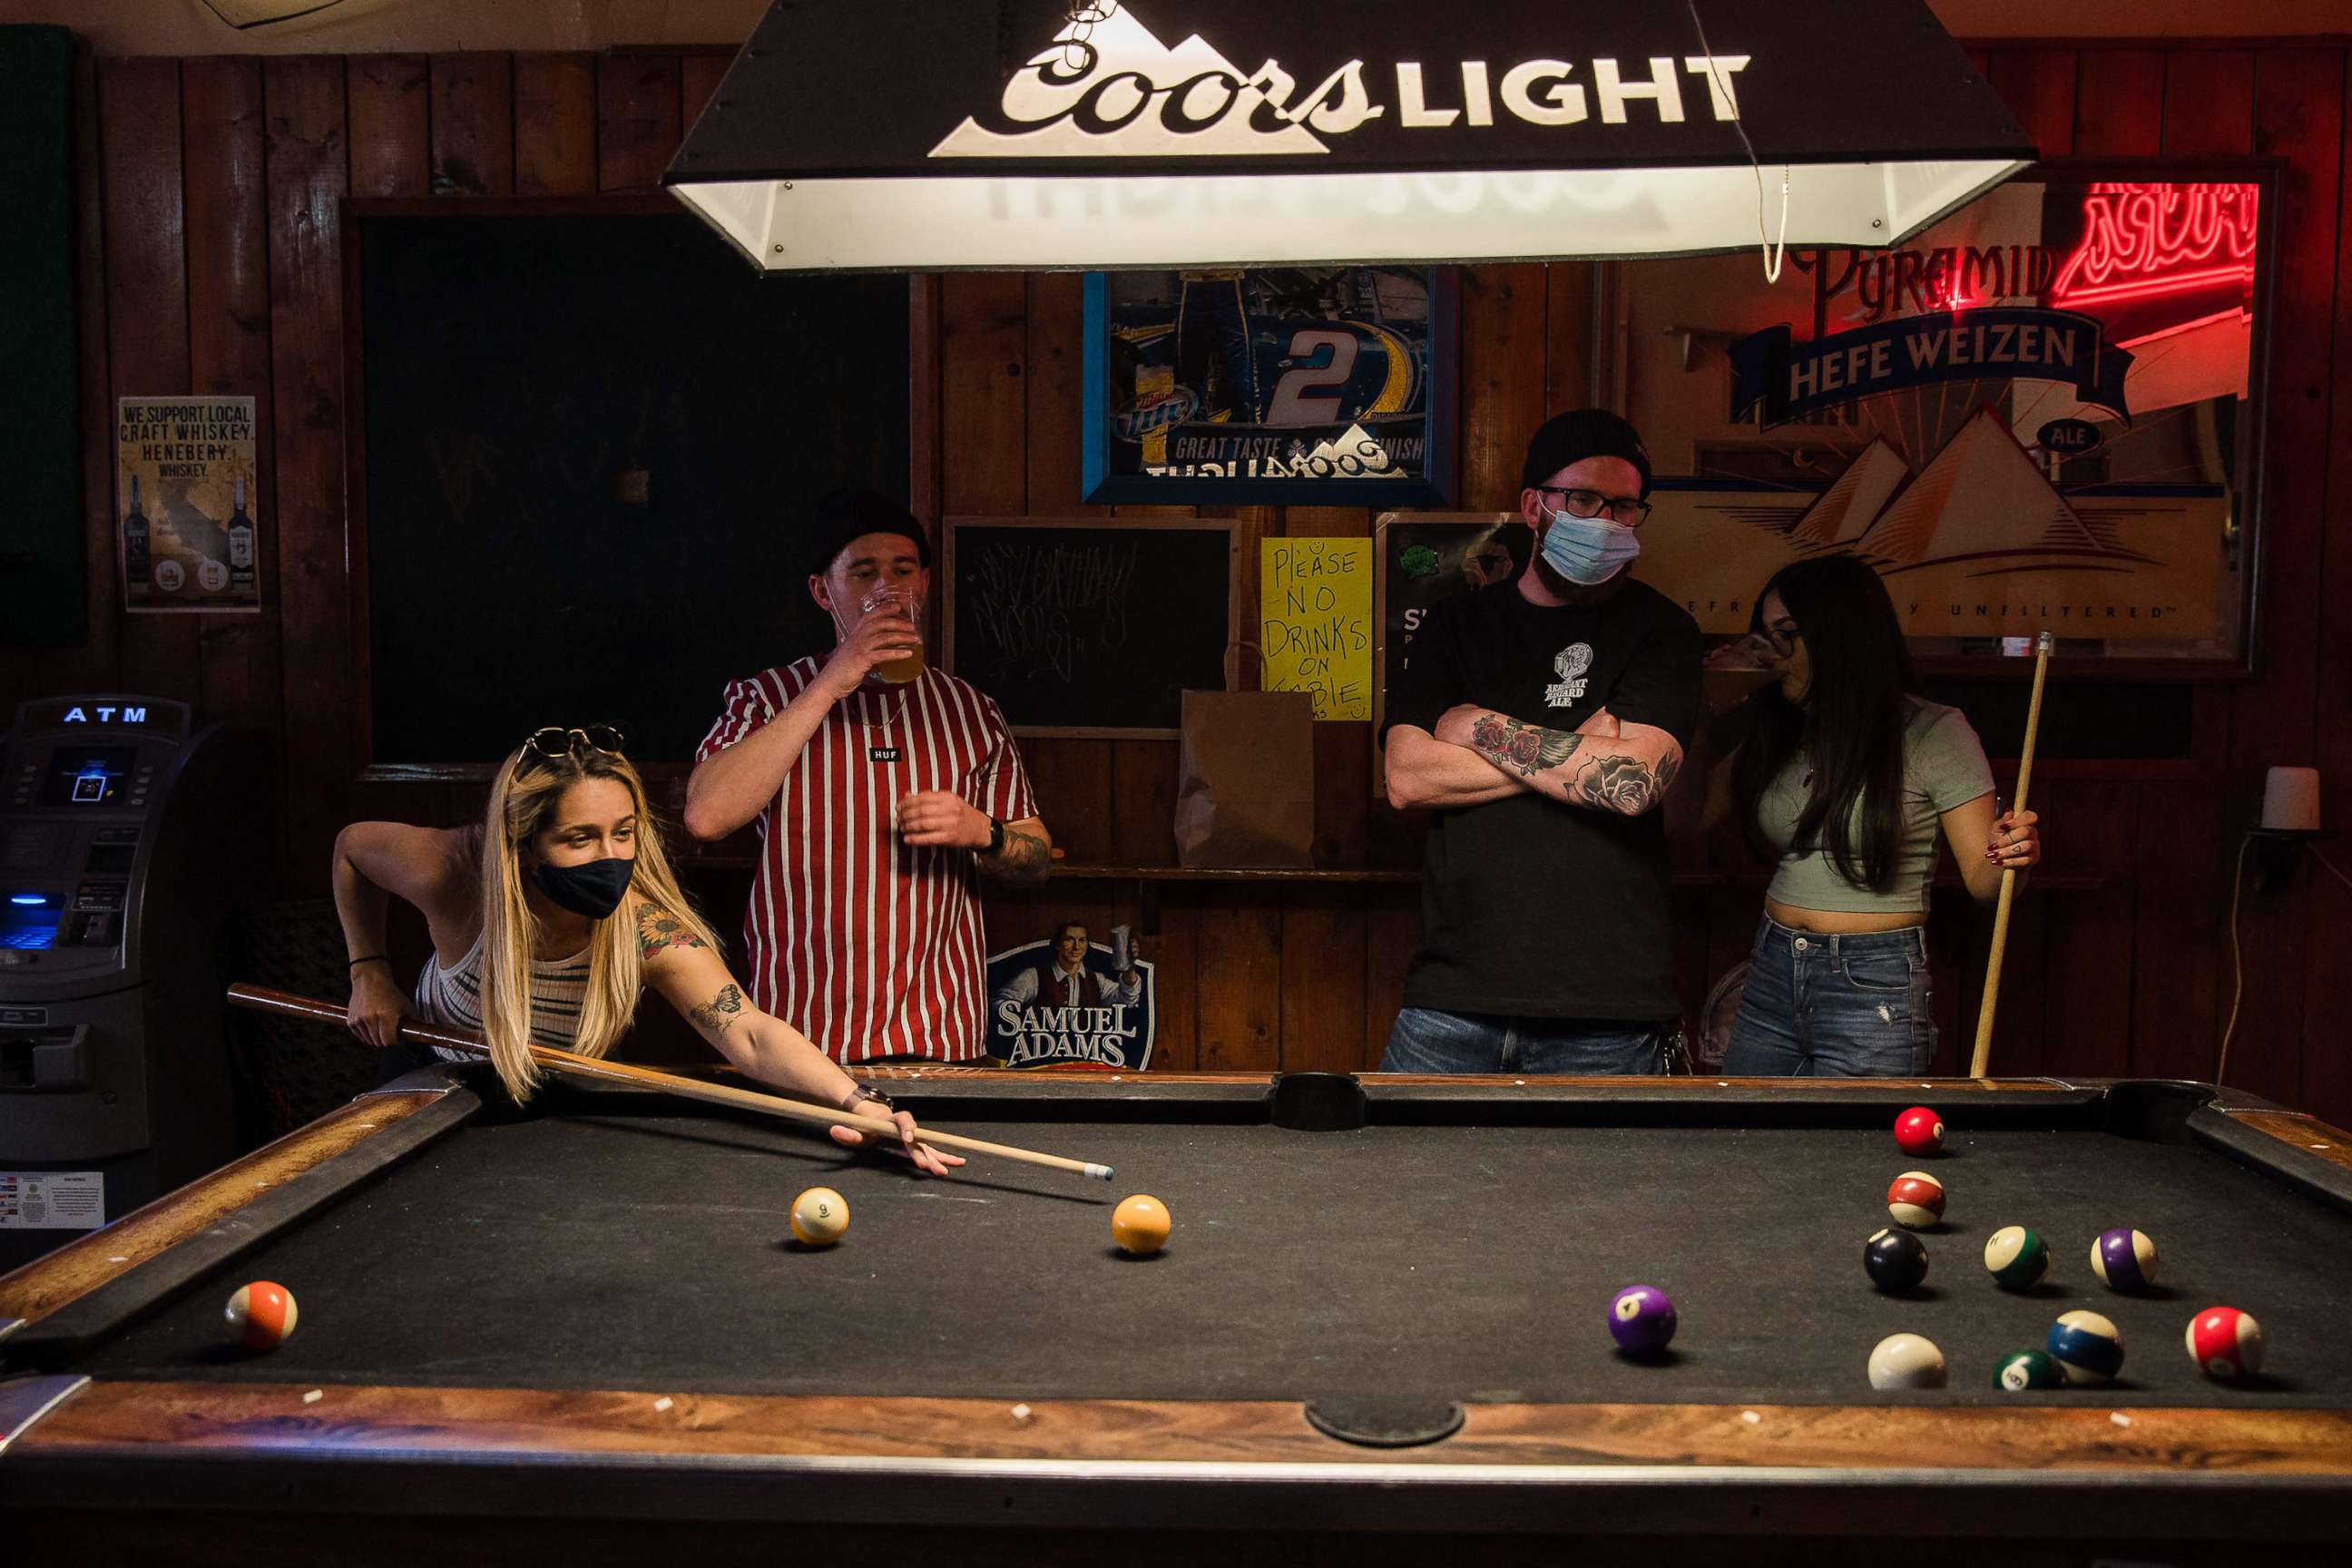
[{"x": 890, "y": 597}]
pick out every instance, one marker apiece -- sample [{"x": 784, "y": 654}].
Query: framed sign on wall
[
  {"x": 1086, "y": 627},
  {"x": 2045, "y": 413},
  {"x": 1308, "y": 385}
]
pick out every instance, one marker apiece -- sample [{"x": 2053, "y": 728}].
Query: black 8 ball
[{"x": 1896, "y": 1259}]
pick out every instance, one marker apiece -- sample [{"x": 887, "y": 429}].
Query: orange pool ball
[
  {"x": 1140, "y": 1224},
  {"x": 261, "y": 1315}
]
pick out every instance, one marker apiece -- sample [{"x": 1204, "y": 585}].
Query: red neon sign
[{"x": 2145, "y": 241}]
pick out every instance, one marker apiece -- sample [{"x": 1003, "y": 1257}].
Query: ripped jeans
[{"x": 1833, "y": 1006}]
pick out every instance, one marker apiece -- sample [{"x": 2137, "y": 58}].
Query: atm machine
[{"x": 131, "y": 835}]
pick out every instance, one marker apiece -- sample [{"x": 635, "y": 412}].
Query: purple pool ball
[{"x": 1642, "y": 1320}]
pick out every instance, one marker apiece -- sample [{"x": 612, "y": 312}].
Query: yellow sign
[{"x": 1315, "y": 615}]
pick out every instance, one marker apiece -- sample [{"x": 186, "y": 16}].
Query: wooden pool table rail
[{"x": 1123, "y": 1461}]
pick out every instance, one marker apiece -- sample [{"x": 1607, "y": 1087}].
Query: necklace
[{"x": 893, "y": 706}]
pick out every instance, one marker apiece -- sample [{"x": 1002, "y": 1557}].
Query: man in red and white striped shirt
[{"x": 878, "y": 803}]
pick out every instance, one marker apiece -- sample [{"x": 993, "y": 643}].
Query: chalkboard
[
  {"x": 590, "y": 444},
  {"x": 1090, "y": 628}
]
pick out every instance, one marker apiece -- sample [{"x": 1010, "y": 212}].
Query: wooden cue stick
[
  {"x": 1979, "y": 1062},
  {"x": 262, "y": 999}
]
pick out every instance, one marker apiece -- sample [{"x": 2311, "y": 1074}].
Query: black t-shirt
[{"x": 1531, "y": 908}]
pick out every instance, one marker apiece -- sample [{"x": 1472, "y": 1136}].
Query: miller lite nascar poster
[
  {"x": 2039, "y": 415},
  {"x": 1071, "y": 1001},
  {"x": 1309, "y": 385}
]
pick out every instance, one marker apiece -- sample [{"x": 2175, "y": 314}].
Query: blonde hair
[{"x": 524, "y": 799}]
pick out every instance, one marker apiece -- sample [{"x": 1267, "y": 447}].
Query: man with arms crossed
[
  {"x": 1544, "y": 719},
  {"x": 877, "y": 804}
]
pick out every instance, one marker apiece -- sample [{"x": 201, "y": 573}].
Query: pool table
[{"x": 1380, "y": 1322}]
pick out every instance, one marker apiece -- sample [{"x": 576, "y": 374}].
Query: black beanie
[
  {"x": 842, "y": 517},
  {"x": 1578, "y": 433}
]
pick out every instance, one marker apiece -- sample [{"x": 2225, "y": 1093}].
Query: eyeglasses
[
  {"x": 555, "y": 744},
  {"x": 1624, "y": 510}
]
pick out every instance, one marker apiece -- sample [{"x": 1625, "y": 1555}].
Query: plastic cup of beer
[
  {"x": 1736, "y": 668},
  {"x": 896, "y": 671}
]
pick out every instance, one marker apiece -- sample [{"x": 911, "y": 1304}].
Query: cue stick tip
[
  {"x": 2046, "y": 644},
  {"x": 1099, "y": 1172}
]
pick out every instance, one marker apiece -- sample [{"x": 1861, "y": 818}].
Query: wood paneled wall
[{"x": 210, "y": 244}]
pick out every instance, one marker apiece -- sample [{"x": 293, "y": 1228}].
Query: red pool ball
[
  {"x": 1916, "y": 1200},
  {"x": 2225, "y": 1342},
  {"x": 1920, "y": 1130}
]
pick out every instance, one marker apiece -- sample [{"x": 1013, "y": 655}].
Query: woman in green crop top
[{"x": 1843, "y": 777}]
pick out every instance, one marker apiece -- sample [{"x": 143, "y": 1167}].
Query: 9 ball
[{"x": 819, "y": 1217}]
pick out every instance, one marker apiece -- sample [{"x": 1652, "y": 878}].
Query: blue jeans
[
  {"x": 1833, "y": 1006},
  {"x": 1427, "y": 1040}
]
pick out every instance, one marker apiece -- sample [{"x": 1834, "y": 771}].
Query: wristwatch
[
  {"x": 995, "y": 837},
  {"x": 866, "y": 1094}
]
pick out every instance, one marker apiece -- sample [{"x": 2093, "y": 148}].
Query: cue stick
[
  {"x": 262, "y": 999},
  {"x": 1982, "y": 1058}
]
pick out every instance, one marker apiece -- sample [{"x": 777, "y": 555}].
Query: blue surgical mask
[{"x": 1587, "y": 550}]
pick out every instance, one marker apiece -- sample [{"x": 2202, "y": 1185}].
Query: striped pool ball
[
  {"x": 1916, "y": 1200},
  {"x": 819, "y": 1217},
  {"x": 2124, "y": 1259},
  {"x": 2017, "y": 1258},
  {"x": 1907, "y": 1361},
  {"x": 261, "y": 1315},
  {"x": 1920, "y": 1130},
  {"x": 2022, "y": 1370},
  {"x": 2087, "y": 1347},
  {"x": 1642, "y": 1320},
  {"x": 2226, "y": 1343}
]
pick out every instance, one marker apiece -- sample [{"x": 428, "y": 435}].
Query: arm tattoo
[
  {"x": 720, "y": 1012},
  {"x": 657, "y": 930},
  {"x": 1025, "y": 856},
  {"x": 1523, "y": 749},
  {"x": 1626, "y": 785},
  {"x": 1669, "y": 765}
]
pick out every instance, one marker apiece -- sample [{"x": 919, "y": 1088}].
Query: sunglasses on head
[{"x": 555, "y": 744}]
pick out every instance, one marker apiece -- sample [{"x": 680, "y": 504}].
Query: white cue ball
[{"x": 1906, "y": 1361}]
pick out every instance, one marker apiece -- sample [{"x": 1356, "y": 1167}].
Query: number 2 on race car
[{"x": 1291, "y": 403}]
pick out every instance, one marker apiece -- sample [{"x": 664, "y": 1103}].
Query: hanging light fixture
[{"x": 941, "y": 134}]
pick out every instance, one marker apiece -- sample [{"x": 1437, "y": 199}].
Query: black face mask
[{"x": 595, "y": 890}]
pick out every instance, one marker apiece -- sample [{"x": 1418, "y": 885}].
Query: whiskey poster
[{"x": 184, "y": 504}]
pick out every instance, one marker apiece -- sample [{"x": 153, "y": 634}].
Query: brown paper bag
[{"x": 1245, "y": 788}]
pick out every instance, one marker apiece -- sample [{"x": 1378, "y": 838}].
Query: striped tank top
[{"x": 453, "y": 996}]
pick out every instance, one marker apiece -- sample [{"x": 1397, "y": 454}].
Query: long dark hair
[{"x": 1851, "y": 721}]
